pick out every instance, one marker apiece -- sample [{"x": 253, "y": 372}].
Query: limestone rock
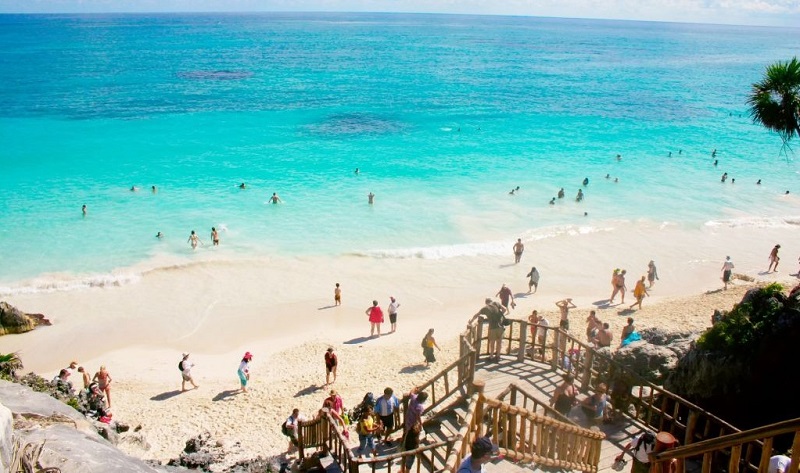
[
  {"x": 6, "y": 438},
  {"x": 656, "y": 355},
  {"x": 13, "y": 320}
]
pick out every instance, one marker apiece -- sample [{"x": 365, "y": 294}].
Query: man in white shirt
[
  {"x": 385, "y": 407},
  {"x": 779, "y": 464},
  {"x": 393, "y": 313},
  {"x": 186, "y": 372}
]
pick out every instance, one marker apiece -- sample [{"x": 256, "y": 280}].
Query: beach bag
[
  {"x": 424, "y": 343},
  {"x": 180, "y": 366},
  {"x": 284, "y": 429}
]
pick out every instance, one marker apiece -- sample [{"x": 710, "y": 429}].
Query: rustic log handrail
[
  {"x": 462, "y": 440},
  {"x": 513, "y": 389}
]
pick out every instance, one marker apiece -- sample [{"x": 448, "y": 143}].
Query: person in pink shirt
[{"x": 375, "y": 315}]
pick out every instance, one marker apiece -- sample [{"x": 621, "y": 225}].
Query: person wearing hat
[
  {"x": 331, "y": 364},
  {"x": 244, "y": 371},
  {"x": 335, "y": 406},
  {"x": 186, "y": 372},
  {"x": 393, "y": 305},
  {"x": 375, "y": 315},
  {"x": 480, "y": 453},
  {"x": 774, "y": 259},
  {"x": 506, "y": 297}
]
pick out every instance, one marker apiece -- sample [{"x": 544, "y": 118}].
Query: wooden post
[
  {"x": 586, "y": 378},
  {"x": 300, "y": 440},
  {"x": 556, "y": 343},
  {"x": 478, "y": 419},
  {"x": 473, "y": 358},
  {"x": 691, "y": 424},
  {"x": 523, "y": 340},
  {"x": 477, "y": 386},
  {"x": 478, "y": 336}
]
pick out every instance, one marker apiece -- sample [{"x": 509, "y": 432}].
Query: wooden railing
[
  {"x": 632, "y": 395},
  {"x": 741, "y": 451},
  {"x": 517, "y": 396},
  {"x": 463, "y": 440},
  {"x": 455, "y": 378}
]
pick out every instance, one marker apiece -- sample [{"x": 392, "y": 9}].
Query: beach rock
[
  {"x": 656, "y": 354},
  {"x": 13, "y": 320},
  {"x": 58, "y": 436},
  {"x": 6, "y": 438}
]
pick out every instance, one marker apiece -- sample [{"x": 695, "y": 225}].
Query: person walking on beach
[
  {"x": 392, "y": 309},
  {"x": 104, "y": 383},
  {"x": 506, "y": 298},
  {"x": 275, "y": 199},
  {"x": 214, "y": 236},
  {"x": 331, "y": 365},
  {"x": 494, "y": 314},
  {"x": 727, "y": 268},
  {"x": 194, "y": 240},
  {"x": 337, "y": 295},
  {"x": 375, "y": 315},
  {"x": 186, "y": 372},
  {"x": 618, "y": 280},
  {"x": 244, "y": 371},
  {"x": 639, "y": 292},
  {"x": 533, "y": 282},
  {"x": 564, "y": 306},
  {"x": 774, "y": 259},
  {"x": 428, "y": 344},
  {"x": 291, "y": 428},
  {"x": 518, "y": 249},
  {"x": 385, "y": 407},
  {"x": 652, "y": 274}
]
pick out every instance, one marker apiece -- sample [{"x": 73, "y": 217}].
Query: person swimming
[
  {"x": 275, "y": 199},
  {"x": 579, "y": 197},
  {"x": 553, "y": 201},
  {"x": 585, "y": 181},
  {"x": 242, "y": 186},
  {"x": 758, "y": 183},
  {"x": 608, "y": 176},
  {"x": 724, "y": 177},
  {"x": 159, "y": 235},
  {"x": 561, "y": 193}
]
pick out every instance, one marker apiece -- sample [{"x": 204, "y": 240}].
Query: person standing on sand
[
  {"x": 727, "y": 268},
  {"x": 428, "y": 344},
  {"x": 619, "y": 286},
  {"x": 506, "y": 298},
  {"x": 639, "y": 292},
  {"x": 85, "y": 376},
  {"x": 518, "y": 249},
  {"x": 593, "y": 325},
  {"x": 393, "y": 305},
  {"x": 774, "y": 259},
  {"x": 652, "y": 274},
  {"x": 244, "y": 371},
  {"x": 604, "y": 336},
  {"x": 533, "y": 282},
  {"x": 375, "y": 315},
  {"x": 194, "y": 240},
  {"x": 337, "y": 295},
  {"x": 186, "y": 372},
  {"x": 564, "y": 306},
  {"x": 331, "y": 365},
  {"x": 104, "y": 383}
]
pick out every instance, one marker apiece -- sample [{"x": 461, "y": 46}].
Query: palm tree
[{"x": 775, "y": 101}]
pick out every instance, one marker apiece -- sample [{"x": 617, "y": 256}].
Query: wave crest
[
  {"x": 756, "y": 222},
  {"x": 63, "y": 282}
]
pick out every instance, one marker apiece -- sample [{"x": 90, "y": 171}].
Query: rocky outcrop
[
  {"x": 205, "y": 453},
  {"x": 656, "y": 354},
  {"x": 6, "y": 438},
  {"x": 13, "y": 320},
  {"x": 55, "y": 435}
]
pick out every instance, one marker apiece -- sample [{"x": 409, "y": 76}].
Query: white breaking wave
[
  {"x": 63, "y": 282},
  {"x": 756, "y": 222},
  {"x": 491, "y": 248}
]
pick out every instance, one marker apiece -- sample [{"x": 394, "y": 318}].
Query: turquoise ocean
[{"x": 443, "y": 115}]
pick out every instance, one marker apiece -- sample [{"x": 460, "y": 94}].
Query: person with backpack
[
  {"x": 428, "y": 344},
  {"x": 640, "y": 448},
  {"x": 495, "y": 316},
  {"x": 291, "y": 429},
  {"x": 185, "y": 366}
]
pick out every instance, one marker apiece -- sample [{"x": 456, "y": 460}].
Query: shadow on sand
[
  {"x": 357, "y": 340},
  {"x": 166, "y": 395},
  {"x": 602, "y": 303},
  {"x": 626, "y": 311},
  {"x": 326, "y": 307},
  {"x": 309, "y": 390},
  {"x": 226, "y": 394},
  {"x": 414, "y": 368}
]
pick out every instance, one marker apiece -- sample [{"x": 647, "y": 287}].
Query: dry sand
[{"x": 280, "y": 309}]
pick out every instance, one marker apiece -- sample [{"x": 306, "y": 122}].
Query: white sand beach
[{"x": 280, "y": 309}]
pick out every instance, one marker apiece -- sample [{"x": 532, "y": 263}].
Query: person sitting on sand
[
  {"x": 244, "y": 371},
  {"x": 639, "y": 292},
  {"x": 774, "y": 259},
  {"x": 186, "y": 366},
  {"x": 627, "y": 330},
  {"x": 96, "y": 401},
  {"x": 104, "y": 383},
  {"x": 604, "y": 336}
]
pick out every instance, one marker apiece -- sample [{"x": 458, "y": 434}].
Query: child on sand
[{"x": 337, "y": 295}]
